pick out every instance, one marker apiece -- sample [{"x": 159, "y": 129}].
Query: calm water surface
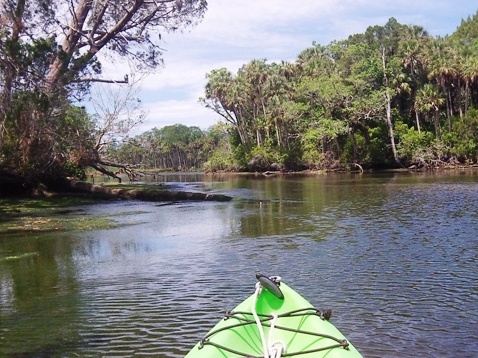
[{"x": 394, "y": 256}]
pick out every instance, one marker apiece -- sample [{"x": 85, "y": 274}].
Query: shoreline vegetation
[
  {"x": 143, "y": 187},
  {"x": 392, "y": 97}
]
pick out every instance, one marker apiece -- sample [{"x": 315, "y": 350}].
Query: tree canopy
[
  {"x": 392, "y": 96},
  {"x": 389, "y": 97},
  {"x": 48, "y": 59}
]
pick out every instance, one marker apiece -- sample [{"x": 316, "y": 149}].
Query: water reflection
[
  {"x": 33, "y": 286},
  {"x": 393, "y": 255}
]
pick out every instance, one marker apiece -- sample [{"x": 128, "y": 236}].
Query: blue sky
[{"x": 233, "y": 32}]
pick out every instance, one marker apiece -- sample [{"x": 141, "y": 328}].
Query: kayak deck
[{"x": 291, "y": 322}]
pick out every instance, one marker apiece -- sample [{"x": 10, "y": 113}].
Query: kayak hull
[{"x": 299, "y": 327}]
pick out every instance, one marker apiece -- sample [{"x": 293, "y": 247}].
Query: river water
[{"x": 395, "y": 256}]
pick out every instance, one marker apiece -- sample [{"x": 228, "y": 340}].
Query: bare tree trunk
[
  {"x": 467, "y": 96},
  {"x": 68, "y": 45},
  {"x": 278, "y": 135},
  {"x": 418, "y": 121},
  {"x": 389, "y": 110},
  {"x": 390, "y": 129}
]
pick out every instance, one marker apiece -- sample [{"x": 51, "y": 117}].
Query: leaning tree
[{"x": 49, "y": 55}]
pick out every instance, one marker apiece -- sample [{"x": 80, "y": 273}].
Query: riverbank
[{"x": 138, "y": 187}]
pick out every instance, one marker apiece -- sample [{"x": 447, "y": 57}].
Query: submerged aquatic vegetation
[
  {"x": 27, "y": 216},
  {"x": 20, "y": 256}
]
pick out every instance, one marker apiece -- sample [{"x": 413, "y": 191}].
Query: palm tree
[
  {"x": 413, "y": 53},
  {"x": 225, "y": 96},
  {"x": 469, "y": 75},
  {"x": 256, "y": 74},
  {"x": 442, "y": 68},
  {"x": 428, "y": 102}
]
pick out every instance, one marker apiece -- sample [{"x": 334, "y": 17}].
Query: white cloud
[{"x": 185, "y": 73}]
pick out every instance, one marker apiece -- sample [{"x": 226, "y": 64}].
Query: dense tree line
[
  {"x": 175, "y": 147},
  {"x": 392, "y": 96}
]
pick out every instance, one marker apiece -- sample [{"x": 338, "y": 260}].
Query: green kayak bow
[{"x": 274, "y": 322}]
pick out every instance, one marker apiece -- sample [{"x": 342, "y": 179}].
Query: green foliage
[
  {"x": 377, "y": 150},
  {"x": 413, "y": 144},
  {"x": 468, "y": 30},
  {"x": 222, "y": 157},
  {"x": 177, "y": 147},
  {"x": 73, "y": 170},
  {"x": 179, "y": 134},
  {"x": 239, "y": 155},
  {"x": 220, "y": 160},
  {"x": 312, "y": 156},
  {"x": 42, "y": 136},
  {"x": 345, "y": 102},
  {"x": 463, "y": 139},
  {"x": 349, "y": 101},
  {"x": 378, "y": 99},
  {"x": 267, "y": 157},
  {"x": 320, "y": 141},
  {"x": 368, "y": 147}
]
